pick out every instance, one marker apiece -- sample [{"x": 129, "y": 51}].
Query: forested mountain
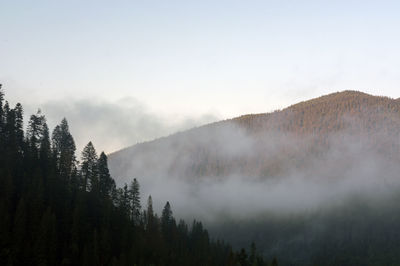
[
  {"x": 267, "y": 145},
  {"x": 57, "y": 211},
  {"x": 316, "y": 183}
]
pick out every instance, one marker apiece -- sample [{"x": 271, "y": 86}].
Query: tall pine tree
[{"x": 89, "y": 169}]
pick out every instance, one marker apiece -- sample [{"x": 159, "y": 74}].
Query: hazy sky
[{"x": 196, "y": 61}]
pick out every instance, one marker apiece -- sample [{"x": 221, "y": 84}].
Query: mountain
[{"x": 269, "y": 144}]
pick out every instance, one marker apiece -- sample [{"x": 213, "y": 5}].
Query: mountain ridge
[{"x": 301, "y": 129}]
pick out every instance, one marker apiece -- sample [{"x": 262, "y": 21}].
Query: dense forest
[{"x": 56, "y": 210}]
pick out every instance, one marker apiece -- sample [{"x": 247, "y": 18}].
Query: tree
[
  {"x": 89, "y": 170},
  {"x": 106, "y": 183},
  {"x": 63, "y": 147},
  {"x": 37, "y": 133},
  {"x": 150, "y": 214},
  {"x": 45, "y": 149},
  {"x": 19, "y": 126},
  {"x": 1, "y": 112},
  {"x": 242, "y": 257},
  {"x": 166, "y": 217},
  {"x": 134, "y": 196},
  {"x": 2, "y": 121}
]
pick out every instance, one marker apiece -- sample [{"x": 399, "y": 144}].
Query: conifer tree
[
  {"x": 63, "y": 147},
  {"x": 45, "y": 149},
  {"x": 134, "y": 196},
  {"x": 1, "y": 112},
  {"x": 89, "y": 168},
  {"x": 19, "y": 126},
  {"x": 166, "y": 217},
  {"x": 150, "y": 215},
  {"x": 106, "y": 183},
  {"x": 37, "y": 133}
]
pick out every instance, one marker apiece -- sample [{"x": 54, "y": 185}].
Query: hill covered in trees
[
  {"x": 57, "y": 211},
  {"x": 268, "y": 145}
]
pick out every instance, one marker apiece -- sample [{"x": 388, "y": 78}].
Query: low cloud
[
  {"x": 350, "y": 165},
  {"x": 114, "y": 125}
]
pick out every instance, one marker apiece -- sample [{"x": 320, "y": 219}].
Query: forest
[{"x": 56, "y": 210}]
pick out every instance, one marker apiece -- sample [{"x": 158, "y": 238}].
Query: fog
[
  {"x": 112, "y": 125},
  {"x": 348, "y": 165}
]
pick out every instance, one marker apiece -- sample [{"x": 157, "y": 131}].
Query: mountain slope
[{"x": 270, "y": 144}]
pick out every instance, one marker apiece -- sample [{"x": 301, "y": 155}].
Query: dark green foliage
[
  {"x": 106, "y": 183},
  {"x": 63, "y": 147},
  {"x": 89, "y": 169},
  {"x": 134, "y": 197},
  {"x": 53, "y": 214}
]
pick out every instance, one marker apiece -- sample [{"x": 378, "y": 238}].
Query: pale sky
[{"x": 185, "y": 63}]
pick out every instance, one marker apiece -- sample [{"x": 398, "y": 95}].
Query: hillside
[{"x": 270, "y": 144}]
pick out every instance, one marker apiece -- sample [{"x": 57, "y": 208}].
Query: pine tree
[
  {"x": 1, "y": 112},
  {"x": 2, "y": 125},
  {"x": 89, "y": 169},
  {"x": 63, "y": 147},
  {"x": 19, "y": 126},
  {"x": 150, "y": 213},
  {"x": 37, "y": 133},
  {"x": 166, "y": 218},
  {"x": 134, "y": 196},
  {"x": 9, "y": 128},
  {"x": 106, "y": 183},
  {"x": 45, "y": 149}
]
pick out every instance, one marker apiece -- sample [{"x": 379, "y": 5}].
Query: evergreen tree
[
  {"x": 106, "y": 183},
  {"x": 89, "y": 169},
  {"x": 167, "y": 220},
  {"x": 19, "y": 126},
  {"x": 37, "y": 133},
  {"x": 9, "y": 128},
  {"x": 1, "y": 112},
  {"x": 63, "y": 146},
  {"x": 45, "y": 148},
  {"x": 150, "y": 214},
  {"x": 134, "y": 196},
  {"x": 2, "y": 125}
]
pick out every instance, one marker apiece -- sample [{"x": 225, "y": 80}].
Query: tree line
[{"x": 56, "y": 210}]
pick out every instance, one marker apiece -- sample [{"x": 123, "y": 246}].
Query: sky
[{"x": 124, "y": 72}]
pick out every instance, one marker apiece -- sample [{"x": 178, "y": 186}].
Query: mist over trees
[
  {"x": 57, "y": 211},
  {"x": 314, "y": 184}
]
